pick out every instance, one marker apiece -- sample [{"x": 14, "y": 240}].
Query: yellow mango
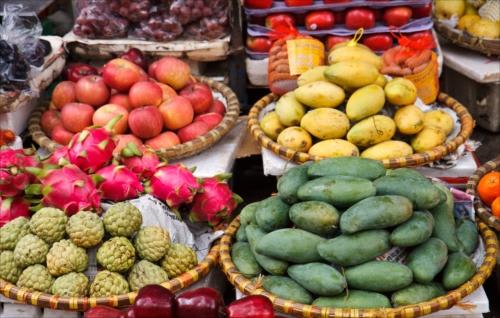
[
  {"x": 387, "y": 150},
  {"x": 271, "y": 125},
  {"x": 409, "y": 119},
  {"x": 427, "y": 139},
  {"x": 365, "y": 102},
  {"x": 467, "y": 20},
  {"x": 400, "y": 92},
  {"x": 371, "y": 131},
  {"x": 325, "y": 123},
  {"x": 289, "y": 110},
  {"x": 439, "y": 119},
  {"x": 381, "y": 80},
  {"x": 354, "y": 53},
  {"x": 295, "y": 138},
  {"x": 334, "y": 148},
  {"x": 485, "y": 29},
  {"x": 320, "y": 94},
  {"x": 313, "y": 75},
  {"x": 352, "y": 74}
]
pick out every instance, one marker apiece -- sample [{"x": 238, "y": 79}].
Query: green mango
[
  {"x": 315, "y": 216},
  {"x": 416, "y": 293},
  {"x": 271, "y": 265},
  {"x": 247, "y": 214},
  {"x": 415, "y": 231},
  {"x": 272, "y": 214},
  {"x": 444, "y": 220},
  {"x": 379, "y": 276},
  {"x": 347, "y": 166},
  {"x": 468, "y": 236},
  {"x": 354, "y": 299},
  {"x": 290, "y": 182},
  {"x": 286, "y": 288},
  {"x": 459, "y": 269},
  {"x": 244, "y": 260},
  {"x": 427, "y": 260},
  {"x": 318, "y": 278}
]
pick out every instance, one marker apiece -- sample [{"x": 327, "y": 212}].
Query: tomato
[
  {"x": 298, "y": 3},
  {"x": 339, "y": 17},
  {"x": 360, "y": 18},
  {"x": 336, "y": 1},
  {"x": 278, "y": 18},
  {"x": 378, "y": 42},
  {"x": 259, "y": 44},
  {"x": 258, "y": 4},
  {"x": 397, "y": 16},
  {"x": 333, "y": 40},
  {"x": 422, "y": 11},
  {"x": 320, "y": 20}
]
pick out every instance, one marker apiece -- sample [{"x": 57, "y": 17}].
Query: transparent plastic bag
[
  {"x": 97, "y": 21},
  {"x": 209, "y": 28},
  {"x": 187, "y": 11},
  {"x": 133, "y": 10}
]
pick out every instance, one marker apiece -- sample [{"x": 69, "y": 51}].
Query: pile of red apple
[{"x": 161, "y": 108}]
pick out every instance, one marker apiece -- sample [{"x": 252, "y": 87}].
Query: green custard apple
[
  {"x": 30, "y": 250},
  {"x": 179, "y": 259},
  {"x": 12, "y": 232},
  {"x": 85, "y": 229},
  {"x": 116, "y": 255},
  {"x": 145, "y": 273},
  {"x": 49, "y": 224},
  {"x": 122, "y": 219},
  {"x": 8, "y": 268},
  {"x": 36, "y": 277},
  {"x": 71, "y": 285},
  {"x": 152, "y": 243},
  {"x": 108, "y": 283},
  {"x": 65, "y": 257}
]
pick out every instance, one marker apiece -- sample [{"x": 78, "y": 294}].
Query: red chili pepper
[
  {"x": 255, "y": 306},
  {"x": 135, "y": 56},
  {"x": 75, "y": 71},
  {"x": 199, "y": 303},
  {"x": 273, "y": 20}
]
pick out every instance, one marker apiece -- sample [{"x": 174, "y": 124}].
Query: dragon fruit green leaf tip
[
  {"x": 174, "y": 184},
  {"x": 92, "y": 148},
  {"x": 214, "y": 202},
  {"x": 67, "y": 188},
  {"x": 13, "y": 175},
  {"x": 119, "y": 183},
  {"x": 143, "y": 163}
]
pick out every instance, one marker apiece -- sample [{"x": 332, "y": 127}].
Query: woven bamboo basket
[
  {"x": 183, "y": 150},
  {"x": 466, "y": 120},
  {"x": 83, "y": 303},
  {"x": 307, "y": 311},
  {"x": 481, "y": 209},
  {"x": 466, "y": 40}
]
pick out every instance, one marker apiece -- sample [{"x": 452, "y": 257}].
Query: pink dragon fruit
[
  {"x": 11, "y": 208},
  {"x": 143, "y": 163},
  {"x": 67, "y": 188},
  {"x": 13, "y": 177},
  {"x": 92, "y": 148},
  {"x": 119, "y": 183},
  {"x": 214, "y": 202},
  {"x": 174, "y": 184},
  {"x": 58, "y": 157}
]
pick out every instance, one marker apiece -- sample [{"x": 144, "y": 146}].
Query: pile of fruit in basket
[
  {"x": 488, "y": 190},
  {"x": 480, "y": 18},
  {"x": 154, "y": 301},
  {"x": 319, "y": 117},
  {"x": 162, "y": 108},
  {"x": 344, "y": 232}
]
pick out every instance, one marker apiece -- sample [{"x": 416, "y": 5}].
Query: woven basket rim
[
  {"x": 183, "y": 150},
  {"x": 466, "y": 120},
  {"x": 481, "y": 209},
  {"x": 83, "y": 303},
  {"x": 467, "y": 40},
  {"x": 247, "y": 287}
]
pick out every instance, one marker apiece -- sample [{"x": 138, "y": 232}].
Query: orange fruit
[
  {"x": 489, "y": 187},
  {"x": 495, "y": 207}
]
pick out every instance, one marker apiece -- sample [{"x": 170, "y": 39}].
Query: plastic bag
[
  {"x": 97, "y": 21},
  {"x": 159, "y": 27},
  {"x": 134, "y": 11},
  {"x": 211, "y": 27}
]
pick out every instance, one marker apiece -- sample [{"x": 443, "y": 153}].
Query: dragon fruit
[
  {"x": 174, "y": 184},
  {"x": 13, "y": 177},
  {"x": 92, "y": 148},
  {"x": 143, "y": 163},
  {"x": 67, "y": 188},
  {"x": 119, "y": 183},
  {"x": 11, "y": 208},
  {"x": 58, "y": 157},
  {"x": 214, "y": 202}
]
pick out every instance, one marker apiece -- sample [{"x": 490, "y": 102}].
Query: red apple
[
  {"x": 109, "y": 111},
  {"x": 397, "y": 16},
  {"x": 333, "y": 40},
  {"x": 422, "y": 11},
  {"x": 92, "y": 90},
  {"x": 164, "y": 140},
  {"x": 193, "y": 131},
  {"x": 378, "y": 42},
  {"x": 145, "y": 93},
  {"x": 177, "y": 113},
  {"x": 200, "y": 96},
  {"x": 135, "y": 56},
  {"x": 120, "y": 99},
  {"x": 360, "y": 18},
  {"x": 64, "y": 93},
  {"x": 152, "y": 69},
  {"x": 121, "y": 74},
  {"x": 145, "y": 122},
  {"x": 61, "y": 135},
  {"x": 211, "y": 119},
  {"x": 76, "y": 116},
  {"x": 217, "y": 107},
  {"x": 168, "y": 92},
  {"x": 122, "y": 141},
  {"x": 320, "y": 20},
  {"x": 50, "y": 118},
  {"x": 260, "y": 44},
  {"x": 173, "y": 72},
  {"x": 154, "y": 301}
]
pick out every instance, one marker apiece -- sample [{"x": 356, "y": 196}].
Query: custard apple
[
  {"x": 152, "y": 243},
  {"x": 85, "y": 229},
  {"x": 122, "y": 219},
  {"x": 179, "y": 259},
  {"x": 117, "y": 254},
  {"x": 30, "y": 250},
  {"x": 71, "y": 285},
  {"x": 36, "y": 277},
  {"x": 65, "y": 257},
  {"x": 49, "y": 224},
  {"x": 8, "y": 268},
  {"x": 145, "y": 273},
  {"x": 12, "y": 232},
  {"x": 107, "y": 283}
]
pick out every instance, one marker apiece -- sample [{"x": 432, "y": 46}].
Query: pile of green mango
[{"x": 319, "y": 241}]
